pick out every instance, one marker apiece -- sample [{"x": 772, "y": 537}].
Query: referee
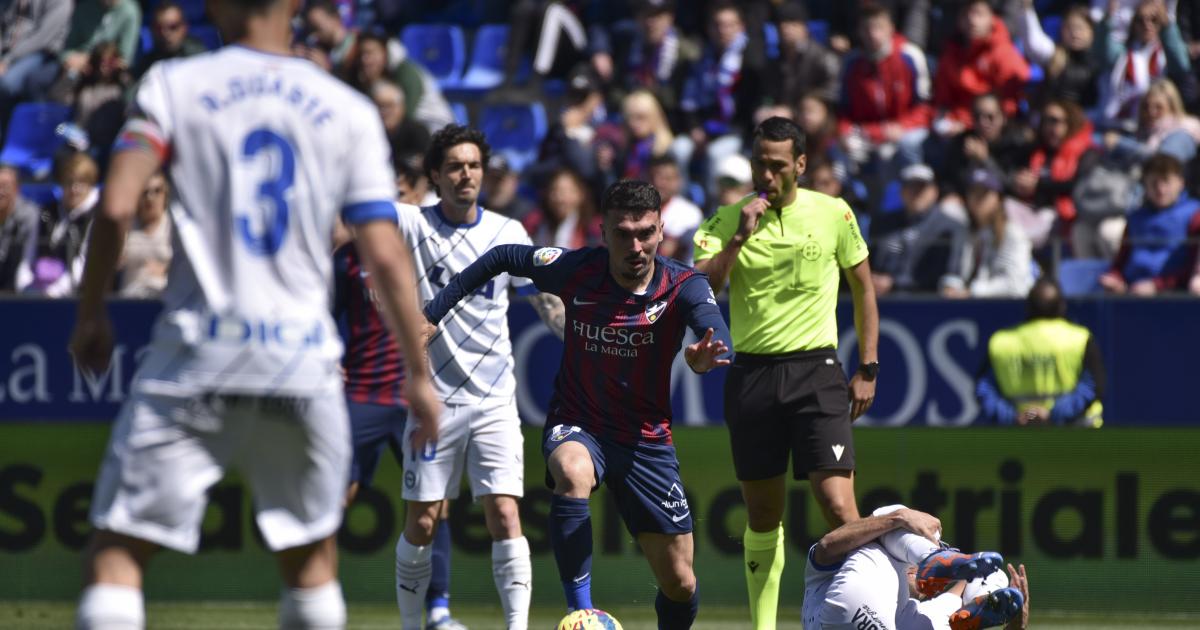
[{"x": 786, "y": 393}]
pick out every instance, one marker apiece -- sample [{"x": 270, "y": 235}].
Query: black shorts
[{"x": 797, "y": 403}]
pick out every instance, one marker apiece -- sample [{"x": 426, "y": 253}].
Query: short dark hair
[
  {"x": 778, "y": 129},
  {"x": 631, "y": 195},
  {"x": 1162, "y": 165},
  {"x": 871, "y": 10},
  {"x": 166, "y": 5},
  {"x": 326, "y": 6},
  {"x": 408, "y": 166},
  {"x": 452, "y": 136},
  {"x": 724, "y": 5},
  {"x": 664, "y": 159},
  {"x": 1045, "y": 300}
]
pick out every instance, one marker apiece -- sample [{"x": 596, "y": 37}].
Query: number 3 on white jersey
[{"x": 272, "y": 204}]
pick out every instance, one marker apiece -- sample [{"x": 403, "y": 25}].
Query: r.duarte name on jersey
[
  {"x": 239, "y": 89},
  {"x": 625, "y": 341}
]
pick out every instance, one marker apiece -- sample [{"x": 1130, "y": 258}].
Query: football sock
[
  {"x": 437, "y": 599},
  {"x": 571, "y": 537},
  {"x": 513, "y": 575},
  {"x": 110, "y": 607},
  {"x": 764, "y": 553},
  {"x": 413, "y": 568},
  {"x": 673, "y": 615},
  {"x": 319, "y": 608},
  {"x": 903, "y": 544}
]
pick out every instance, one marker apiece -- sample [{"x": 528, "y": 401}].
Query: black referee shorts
[{"x": 795, "y": 403}]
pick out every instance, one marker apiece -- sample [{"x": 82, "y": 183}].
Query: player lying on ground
[
  {"x": 889, "y": 571},
  {"x": 610, "y": 416}
]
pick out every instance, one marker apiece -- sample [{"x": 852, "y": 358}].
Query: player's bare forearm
[
  {"x": 390, "y": 264},
  {"x": 835, "y": 545},
  {"x": 866, "y": 312},
  {"x": 718, "y": 267},
  {"x": 127, "y": 178},
  {"x": 550, "y": 308}
]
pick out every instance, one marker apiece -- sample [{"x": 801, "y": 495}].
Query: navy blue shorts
[
  {"x": 371, "y": 428},
  {"x": 643, "y": 478}
]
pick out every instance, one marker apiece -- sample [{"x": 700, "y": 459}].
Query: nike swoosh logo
[
  {"x": 411, "y": 589},
  {"x": 516, "y": 583},
  {"x": 676, "y": 519},
  {"x": 579, "y": 302}
]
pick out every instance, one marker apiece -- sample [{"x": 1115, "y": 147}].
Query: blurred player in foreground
[
  {"x": 869, "y": 573},
  {"x": 610, "y": 417},
  {"x": 471, "y": 358},
  {"x": 263, "y": 151}
]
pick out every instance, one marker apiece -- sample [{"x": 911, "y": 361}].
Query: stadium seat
[
  {"x": 818, "y": 30},
  {"x": 145, "y": 41},
  {"x": 891, "y": 200},
  {"x": 207, "y": 34},
  {"x": 193, "y": 11},
  {"x": 41, "y": 194},
  {"x": 771, "y": 40},
  {"x": 438, "y": 47},
  {"x": 515, "y": 130},
  {"x": 461, "y": 115},
  {"x": 1081, "y": 276},
  {"x": 487, "y": 59},
  {"x": 1052, "y": 24},
  {"x": 31, "y": 139}
]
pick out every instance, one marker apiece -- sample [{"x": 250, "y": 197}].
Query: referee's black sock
[
  {"x": 673, "y": 615},
  {"x": 571, "y": 537}
]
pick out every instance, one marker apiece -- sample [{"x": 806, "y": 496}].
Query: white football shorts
[
  {"x": 484, "y": 439},
  {"x": 167, "y": 451}
]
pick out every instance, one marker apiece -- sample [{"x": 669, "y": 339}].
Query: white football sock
[
  {"x": 903, "y": 544},
  {"x": 110, "y": 607},
  {"x": 513, "y": 575},
  {"x": 318, "y": 608},
  {"x": 414, "y": 567}
]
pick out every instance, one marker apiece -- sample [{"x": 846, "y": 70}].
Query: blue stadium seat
[
  {"x": 487, "y": 59},
  {"x": 1052, "y": 24},
  {"x": 207, "y": 34},
  {"x": 695, "y": 193},
  {"x": 1081, "y": 276},
  {"x": 193, "y": 11},
  {"x": 438, "y": 47},
  {"x": 31, "y": 139},
  {"x": 145, "y": 41},
  {"x": 515, "y": 130},
  {"x": 41, "y": 194},
  {"x": 771, "y": 39},
  {"x": 891, "y": 200},
  {"x": 818, "y": 30},
  {"x": 461, "y": 115}
]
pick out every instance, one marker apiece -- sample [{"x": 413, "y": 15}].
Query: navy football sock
[
  {"x": 571, "y": 536},
  {"x": 438, "y": 595},
  {"x": 673, "y": 615}
]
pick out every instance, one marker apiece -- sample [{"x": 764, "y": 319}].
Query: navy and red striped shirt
[
  {"x": 615, "y": 377},
  {"x": 374, "y": 367}
]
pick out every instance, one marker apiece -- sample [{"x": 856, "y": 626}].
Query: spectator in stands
[
  {"x": 147, "y": 253},
  {"x": 501, "y": 189},
  {"x": 1121, "y": 14},
  {"x": 412, "y": 183},
  {"x": 657, "y": 57},
  {"x": 375, "y": 57},
  {"x": 32, "y": 34},
  {"x": 331, "y": 43},
  {"x": 404, "y": 135},
  {"x": 994, "y": 141},
  {"x": 820, "y": 127},
  {"x": 1154, "y": 49},
  {"x": 1046, "y": 370},
  {"x": 734, "y": 180},
  {"x": 18, "y": 225},
  {"x": 1163, "y": 127},
  {"x": 53, "y": 261},
  {"x": 680, "y": 217},
  {"x": 625, "y": 152},
  {"x": 169, "y": 32},
  {"x": 100, "y": 98},
  {"x": 805, "y": 66},
  {"x": 1072, "y": 67},
  {"x": 1041, "y": 190},
  {"x": 992, "y": 257},
  {"x": 980, "y": 59},
  {"x": 1158, "y": 250},
  {"x": 910, "y": 248},
  {"x": 566, "y": 216},
  {"x": 885, "y": 108},
  {"x": 720, "y": 96},
  {"x": 569, "y": 142},
  {"x": 99, "y": 21},
  {"x": 913, "y": 17}
]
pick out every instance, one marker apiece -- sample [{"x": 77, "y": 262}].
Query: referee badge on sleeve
[{"x": 546, "y": 255}]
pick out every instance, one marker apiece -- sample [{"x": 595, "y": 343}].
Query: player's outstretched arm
[
  {"x": 91, "y": 343},
  {"x": 837, "y": 544},
  {"x": 704, "y": 318},
  {"x": 389, "y": 261},
  {"x": 517, "y": 260}
]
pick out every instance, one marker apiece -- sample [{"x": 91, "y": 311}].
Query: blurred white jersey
[
  {"x": 262, "y": 151},
  {"x": 471, "y": 356}
]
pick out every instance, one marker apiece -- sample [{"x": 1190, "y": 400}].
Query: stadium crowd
[{"x": 982, "y": 143}]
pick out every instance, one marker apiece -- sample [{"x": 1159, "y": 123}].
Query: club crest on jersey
[
  {"x": 654, "y": 310},
  {"x": 561, "y": 432},
  {"x": 546, "y": 255}
]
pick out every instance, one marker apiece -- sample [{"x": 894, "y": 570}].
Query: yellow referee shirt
[{"x": 783, "y": 286}]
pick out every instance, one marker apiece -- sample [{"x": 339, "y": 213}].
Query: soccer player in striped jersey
[
  {"x": 263, "y": 150},
  {"x": 610, "y": 416},
  {"x": 472, "y": 363}
]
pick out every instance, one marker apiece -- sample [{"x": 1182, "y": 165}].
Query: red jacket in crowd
[
  {"x": 1061, "y": 169},
  {"x": 894, "y": 89},
  {"x": 969, "y": 69}
]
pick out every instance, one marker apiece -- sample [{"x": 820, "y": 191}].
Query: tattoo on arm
[{"x": 550, "y": 308}]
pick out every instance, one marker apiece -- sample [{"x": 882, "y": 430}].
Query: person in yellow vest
[
  {"x": 783, "y": 251},
  {"x": 1046, "y": 370}
]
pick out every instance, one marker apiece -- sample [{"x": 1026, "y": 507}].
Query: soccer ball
[{"x": 589, "y": 619}]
